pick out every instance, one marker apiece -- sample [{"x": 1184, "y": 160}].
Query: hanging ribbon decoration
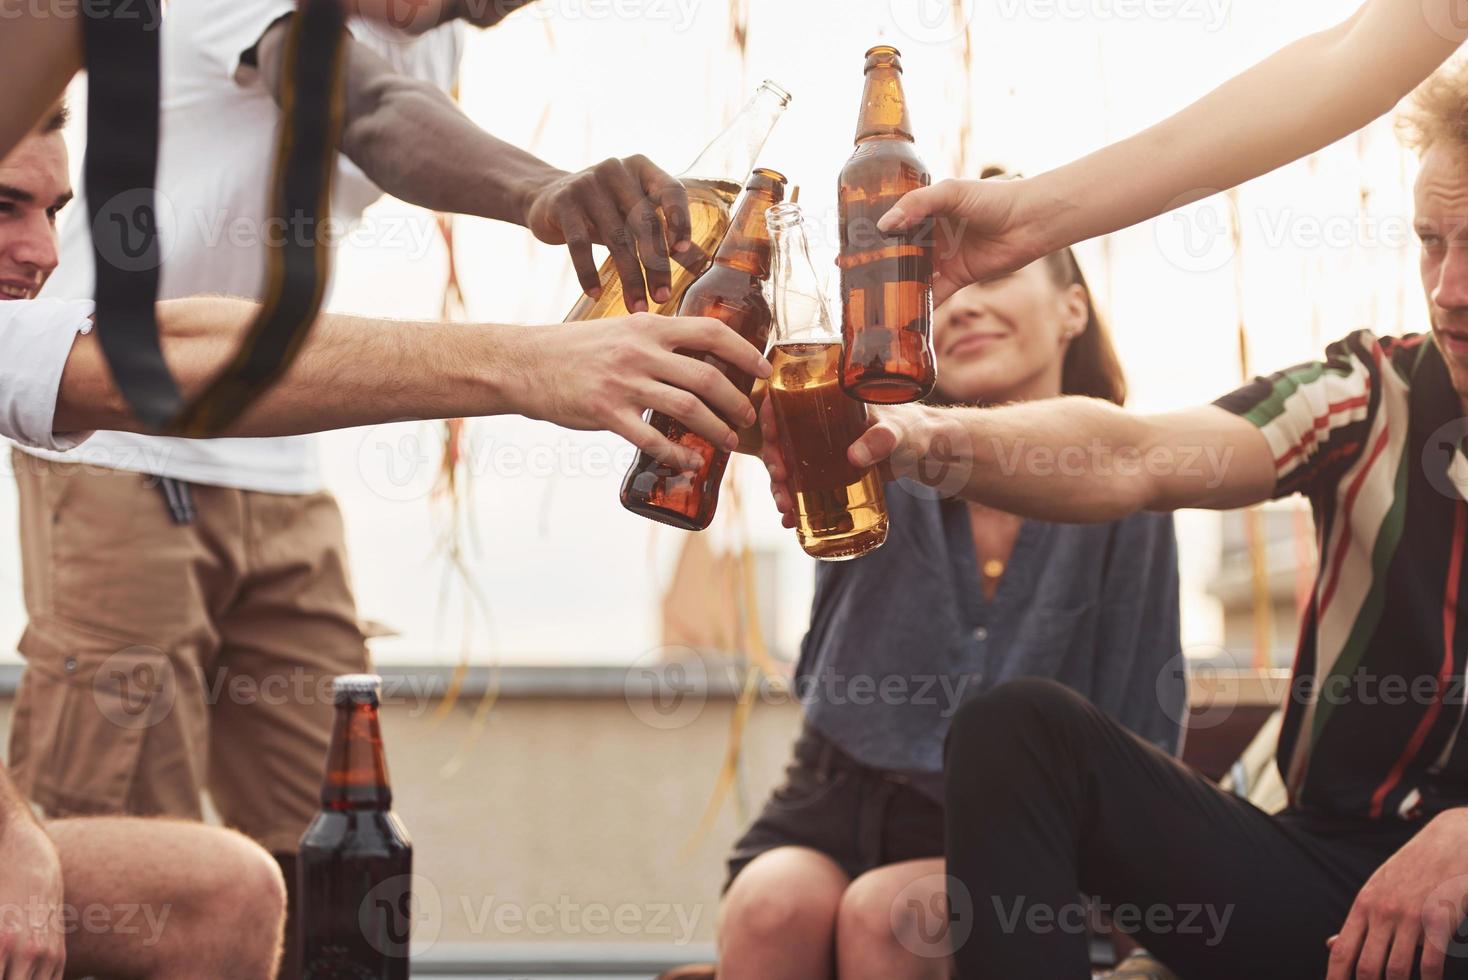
[{"x": 122, "y": 54}]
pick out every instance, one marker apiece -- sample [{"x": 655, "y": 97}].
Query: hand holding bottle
[
  {"x": 631, "y": 206},
  {"x": 981, "y": 228},
  {"x": 603, "y": 374}
]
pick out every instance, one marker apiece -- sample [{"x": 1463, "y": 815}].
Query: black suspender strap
[
  {"x": 122, "y": 54},
  {"x": 122, "y": 159},
  {"x": 298, "y": 262}
]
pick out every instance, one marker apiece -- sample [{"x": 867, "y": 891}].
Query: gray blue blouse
[{"x": 902, "y": 636}]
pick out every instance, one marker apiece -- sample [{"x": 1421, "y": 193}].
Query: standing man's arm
[
  {"x": 416, "y": 144},
  {"x": 356, "y": 371},
  {"x": 41, "y": 52},
  {"x": 32, "y": 937}
]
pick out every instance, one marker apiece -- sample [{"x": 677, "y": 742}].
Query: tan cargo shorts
[{"x": 164, "y": 660}]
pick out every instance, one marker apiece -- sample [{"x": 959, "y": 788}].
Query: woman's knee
[{"x": 785, "y": 895}]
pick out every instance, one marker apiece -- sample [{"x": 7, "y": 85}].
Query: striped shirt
[{"x": 1373, "y": 435}]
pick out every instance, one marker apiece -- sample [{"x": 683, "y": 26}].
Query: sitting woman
[{"x": 842, "y": 874}]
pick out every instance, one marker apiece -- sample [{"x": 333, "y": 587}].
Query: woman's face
[{"x": 1005, "y": 339}]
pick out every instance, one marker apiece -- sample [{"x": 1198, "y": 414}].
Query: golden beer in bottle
[
  {"x": 712, "y": 181},
  {"x": 732, "y": 290},
  {"x": 886, "y": 280},
  {"x": 841, "y": 510}
]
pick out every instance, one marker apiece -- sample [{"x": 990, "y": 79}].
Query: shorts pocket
[
  {"x": 804, "y": 786},
  {"x": 84, "y": 707}
]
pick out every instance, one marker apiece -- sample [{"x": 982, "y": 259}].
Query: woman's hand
[{"x": 980, "y": 228}]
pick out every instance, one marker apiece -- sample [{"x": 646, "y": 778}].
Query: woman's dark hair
[{"x": 1091, "y": 366}]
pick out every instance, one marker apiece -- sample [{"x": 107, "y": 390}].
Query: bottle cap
[{"x": 356, "y": 684}]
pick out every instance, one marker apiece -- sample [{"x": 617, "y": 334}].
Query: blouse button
[{"x": 981, "y": 634}]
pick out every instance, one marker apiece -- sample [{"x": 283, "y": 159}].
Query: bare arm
[
  {"x": 416, "y": 144},
  {"x": 41, "y": 52},
  {"x": 1305, "y": 96},
  {"x": 32, "y": 937},
  {"x": 356, "y": 371},
  {"x": 1064, "y": 459}
]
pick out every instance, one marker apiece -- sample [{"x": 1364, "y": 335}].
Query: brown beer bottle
[
  {"x": 841, "y": 510},
  {"x": 713, "y": 181},
  {"x": 886, "y": 280},
  {"x": 732, "y": 290},
  {"x": 355, "y": 863}
]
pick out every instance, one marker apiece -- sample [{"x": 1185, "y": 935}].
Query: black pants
[{"x": 1050, "y": 800}]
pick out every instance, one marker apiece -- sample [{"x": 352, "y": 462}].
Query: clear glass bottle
[
  {"x": 841, "y": 509},
  {"x": 713, "y": 182}
]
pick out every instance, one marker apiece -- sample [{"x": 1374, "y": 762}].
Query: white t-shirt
[
  {"x": 215, "y": 162},
  {"x": 35, "y": 340}
]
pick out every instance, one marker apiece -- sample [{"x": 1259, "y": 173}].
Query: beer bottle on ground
[
  {"x": 841, "y": 510},
  {"x": 732, "y": 290},
  {"x": 713, "y": 181},
  {"x": 886, "y": 280},
  {"x": 356, "y": 861}
]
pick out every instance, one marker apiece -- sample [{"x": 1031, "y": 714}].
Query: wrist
[
  {"x": 526, "y": 190},
  {"x": 23, "y": 842},
  {"x": 1044, "y": 214}
]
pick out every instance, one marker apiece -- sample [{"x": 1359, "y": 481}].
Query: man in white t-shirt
[{"x": 219, "y": 566}]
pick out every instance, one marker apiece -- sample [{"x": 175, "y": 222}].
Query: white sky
[{"x": 568, "y": 575}]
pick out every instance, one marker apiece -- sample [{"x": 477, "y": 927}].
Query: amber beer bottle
[
  {"x": 886, "y": 280},
  {"x": 356, "y": 861},
  {"x": 841, "y": 510},
  {"x": 731, "y": 290},
  {"x": 713, "y": 181}
]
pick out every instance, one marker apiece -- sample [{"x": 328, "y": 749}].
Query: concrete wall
[{"x": 573, "y": 817}]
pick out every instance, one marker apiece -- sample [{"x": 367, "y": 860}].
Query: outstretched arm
[
  {"x": 1305, "y": 96},
  {"x": 416, "y": 144},
  {"x": 1063, "y": 459},
  {"x": 353, "y": 371}
]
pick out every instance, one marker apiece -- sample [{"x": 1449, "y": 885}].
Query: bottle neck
[
  {"x": 883, "y": 107},
  {"x": 799, "y": 304},
  {"x": 732, "y": 154},
  {"x": 356, "y": 767},
  {"x": 746, "y": 247}
]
